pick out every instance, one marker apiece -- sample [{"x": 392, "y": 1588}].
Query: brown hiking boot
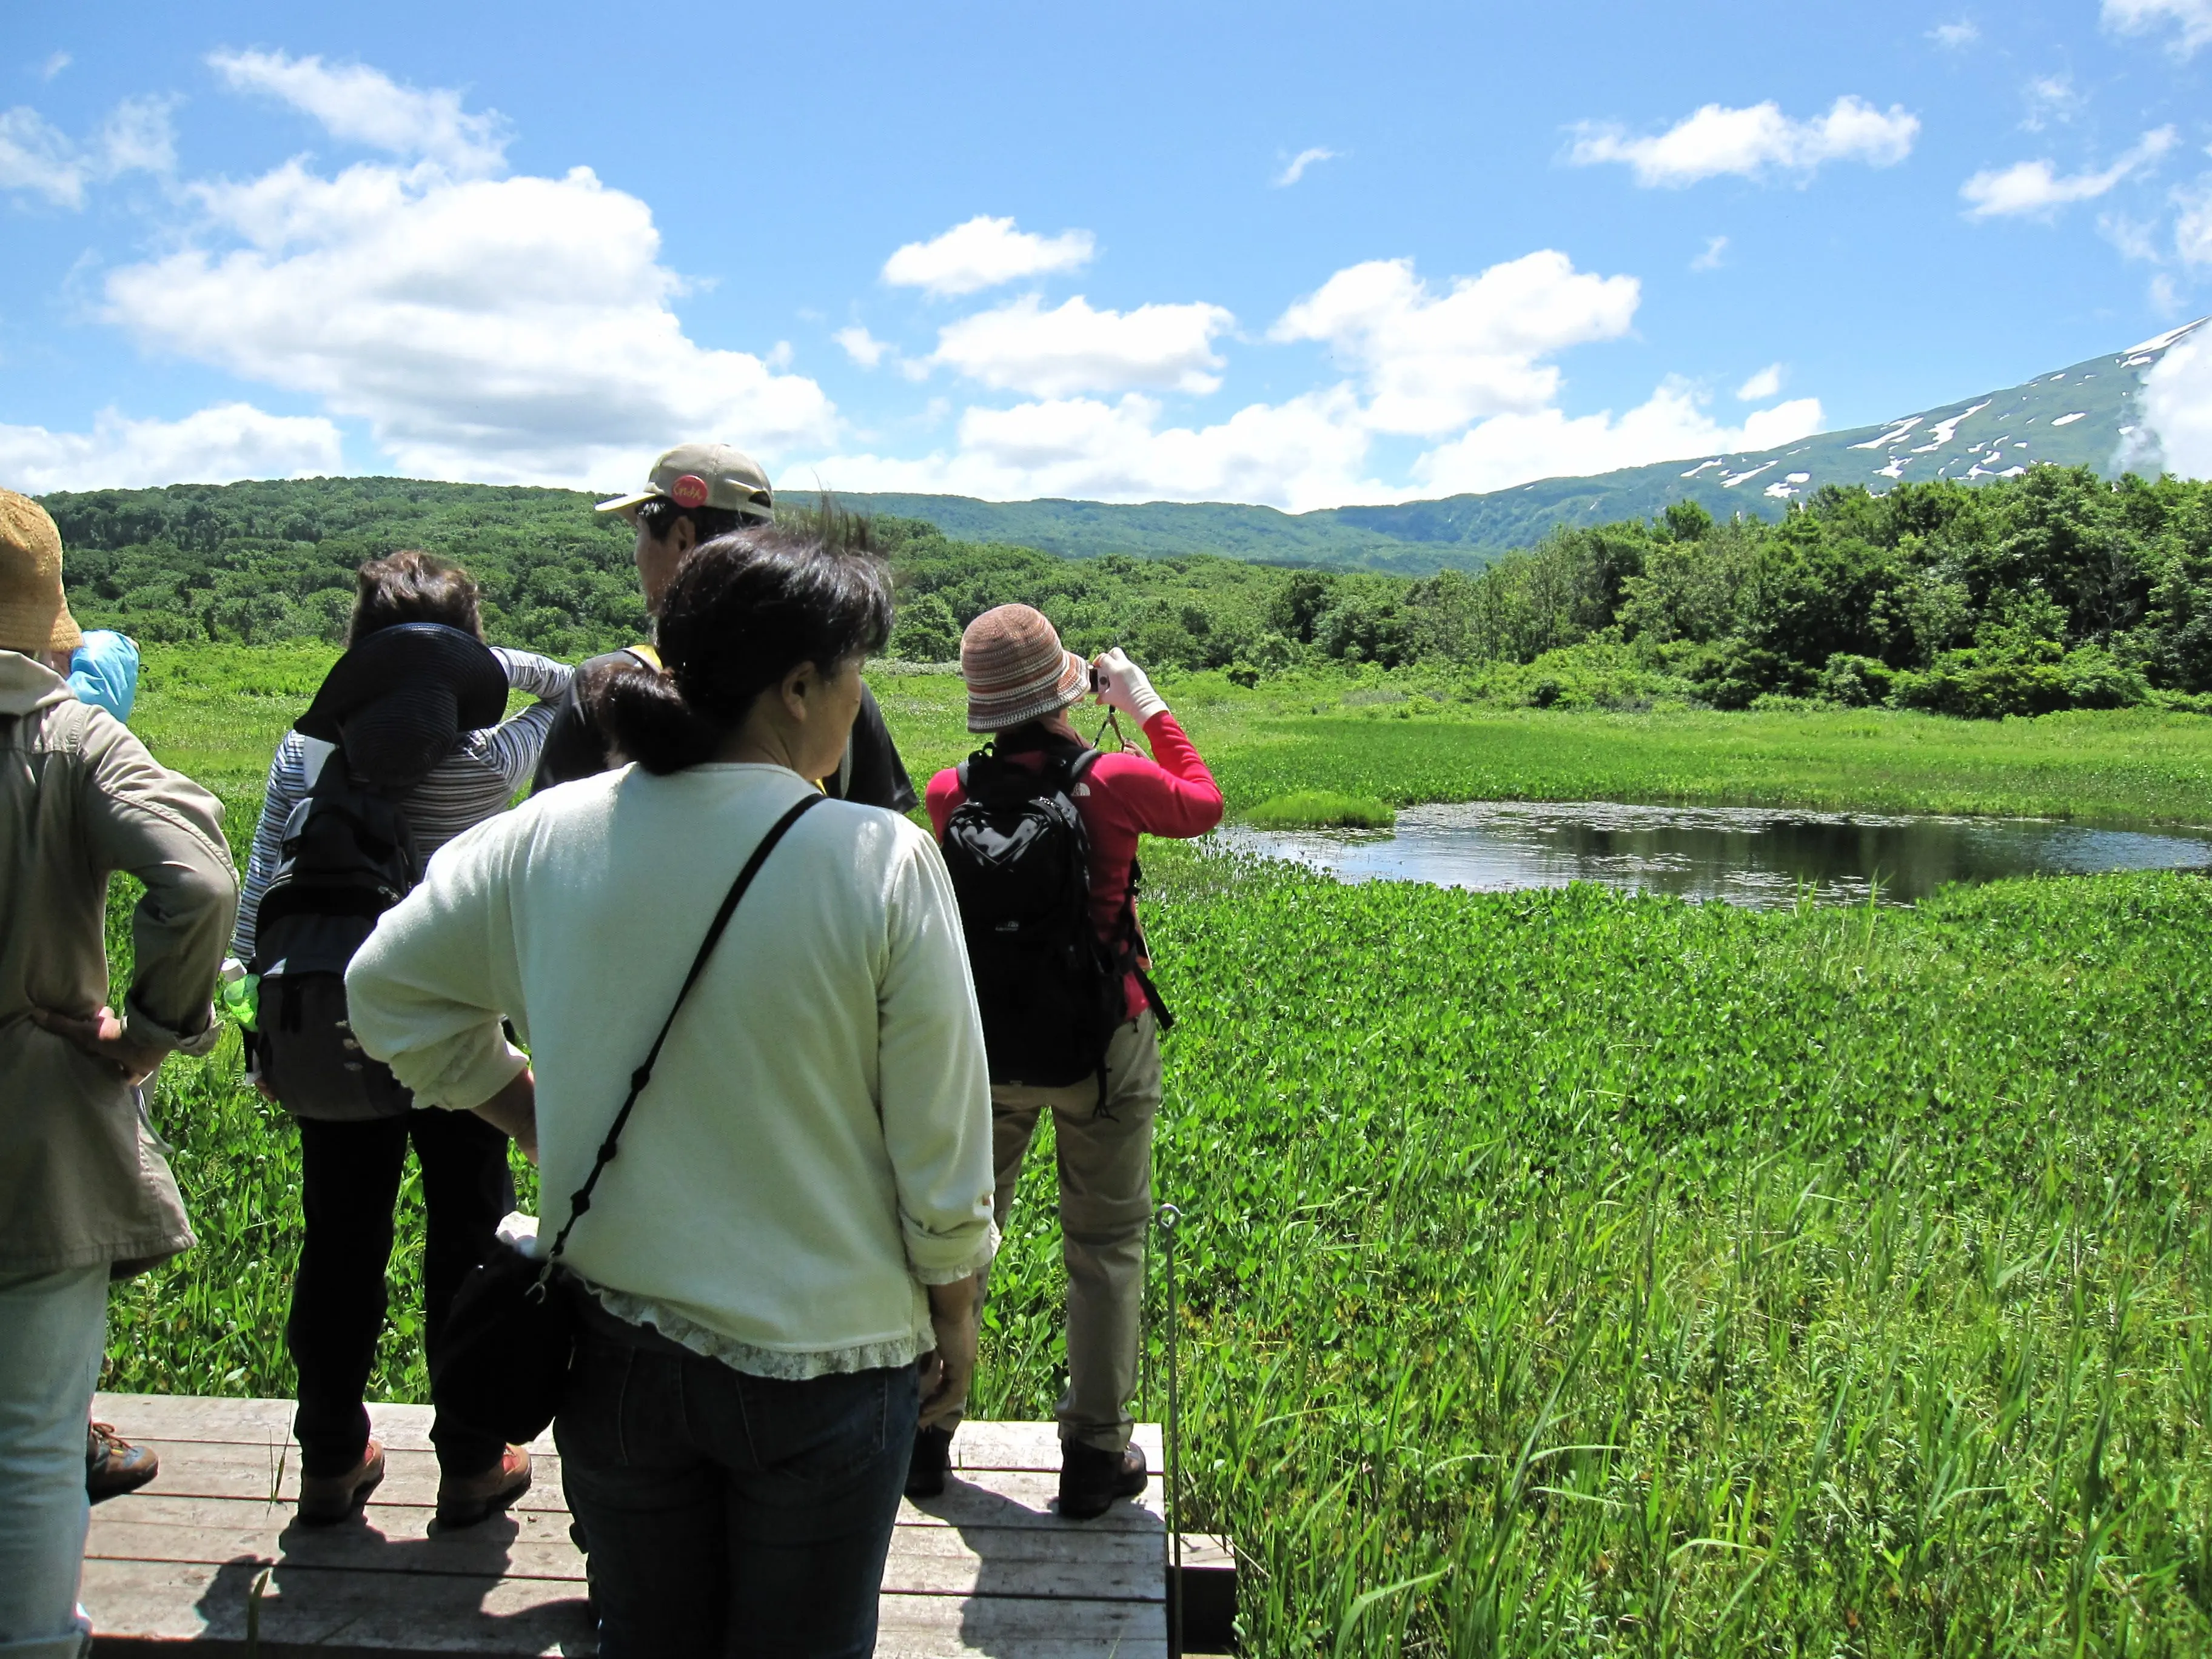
[
  {"x": 327, "y": 1499},
  {"x": 464, "y": 1500},
  {"x": 113, "y": 1466},
  {"x": 1091, "y": 1480}
]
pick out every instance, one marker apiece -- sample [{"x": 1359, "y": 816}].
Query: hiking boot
[
  {"x": 327, "y": 1499},
  {"x": 932, "y": 1456},
  {"x": 113, "y": 1466},
  {"x": 465, "y": 1500},
  {"x": 1091, "y": 1480}
]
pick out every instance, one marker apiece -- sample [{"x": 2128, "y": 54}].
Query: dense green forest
[{"x": 2050, "y": 591}]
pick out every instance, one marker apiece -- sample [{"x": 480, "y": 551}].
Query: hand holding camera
[{"x": 1120, "y": 683}]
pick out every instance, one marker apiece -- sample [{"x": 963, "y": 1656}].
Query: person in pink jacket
[{"x": 1021, "y": 684}]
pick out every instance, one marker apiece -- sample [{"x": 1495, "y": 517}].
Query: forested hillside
[
  {"x": 2089, "y": 414},
  {"x": 2049, "y": 591}
]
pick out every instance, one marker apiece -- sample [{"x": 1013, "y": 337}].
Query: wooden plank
[
  {"x": 400, "y": 1540},
  {"x": 198, "y": 1469},
  {"x": 925, "y": 1627},
  {"x": 987, "y": 1498},
  {"x": 157, "y": 1417},
  {"x": 169, "y": 1417},
  {"x": 307, "y": 1609},
  {"x": 314, "y": 1606},
  {"x": 1001, "y": 1498},
  {"x": 1031, "y": 1446}
]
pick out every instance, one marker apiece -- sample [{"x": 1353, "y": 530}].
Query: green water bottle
[{"x": 239, "y": 994}]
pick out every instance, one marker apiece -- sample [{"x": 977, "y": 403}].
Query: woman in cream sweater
[{"x": 777, "y": 1274}]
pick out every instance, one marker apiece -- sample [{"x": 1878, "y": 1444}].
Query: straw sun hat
[
  {"x": 35, "y": 617},
  {"x": 1016, "y": 670}
]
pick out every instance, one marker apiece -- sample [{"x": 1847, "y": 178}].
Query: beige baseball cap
[{"x": 704, "y": 475}]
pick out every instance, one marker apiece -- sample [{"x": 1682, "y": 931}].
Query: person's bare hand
[
  {"x": 946, "y": 1373},
  {"x": 105, "y": 1038}
]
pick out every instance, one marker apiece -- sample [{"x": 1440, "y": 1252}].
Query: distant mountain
[{"x": 2084, "y": 416}]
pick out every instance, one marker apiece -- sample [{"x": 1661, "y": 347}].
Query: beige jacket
[{"x": 82, "y": 1179}]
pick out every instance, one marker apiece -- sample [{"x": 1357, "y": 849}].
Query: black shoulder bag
[{"x": 503, "y": 1356}]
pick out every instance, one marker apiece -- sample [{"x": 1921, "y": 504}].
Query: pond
[{"x": 1757, "y": 856}]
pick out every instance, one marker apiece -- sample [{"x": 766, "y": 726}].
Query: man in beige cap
[
  {"x": 85, "y": 1193},
  {"x": 694, "y": 493}
]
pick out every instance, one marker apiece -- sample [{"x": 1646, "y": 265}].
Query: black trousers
[{"x": 351, "y": 1181}]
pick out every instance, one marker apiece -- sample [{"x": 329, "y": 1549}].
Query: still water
[{"x": 1756, "y": 856}]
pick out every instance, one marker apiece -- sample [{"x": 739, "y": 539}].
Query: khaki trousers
[{"x": 1105, "y": 1160}]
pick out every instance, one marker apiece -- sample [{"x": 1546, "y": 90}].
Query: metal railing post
[{"x": 1167, "y": 1218}]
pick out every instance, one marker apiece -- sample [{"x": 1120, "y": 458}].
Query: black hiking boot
[
  {"x": 1091, "y": 1480},
  {"x": 932, "y": 1456}
]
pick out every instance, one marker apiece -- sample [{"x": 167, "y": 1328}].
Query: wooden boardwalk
[{"x": 986, "y": 1569}]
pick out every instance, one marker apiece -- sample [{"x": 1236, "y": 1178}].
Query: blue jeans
[
  {"x": 728, "y": 1514},
  {"x": 52, "y": 1329}
]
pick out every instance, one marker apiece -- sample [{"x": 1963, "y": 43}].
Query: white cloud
[
  {"x": 2192, "y": 226},
  {"x": 362, "y": 105},
  {"x": 34, "y": 156},
  {"x": 2035, "y": 187},
  {"x": 1308, "y": 453},
  {"x": 1510, "y": 449},
  {"x": 54, "y": 66},
  {"x": 1432, "y": 362},
  {"x": 1964, "y": 32},
  {"x": 862, "y": 347},
  {"x": 509, "y": 331},
  {"x": 2135, "y": 239},
  {"x": 1420, "y": 361},
  {"x": 2177, "y": 405},
  {"x": 1022, "y": 347},
  {"x": 2051, "y": 97},
  {"x": 220, "y": 445},
  {"x": 136, "y": 137},
  {"x": 1305, "y": 159},
  {"x": 1762, "y": 386},
  {"x": 1752, "y": 141},
  {"x": 2191, "y": 21},
  {"x": 983, "y": 252},
  {"x": 1711, "y": 259}
]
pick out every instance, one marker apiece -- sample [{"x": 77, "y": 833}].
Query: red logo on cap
[{"x": 689, "y": 490}]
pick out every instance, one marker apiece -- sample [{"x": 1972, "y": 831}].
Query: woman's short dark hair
[
  {"x": 411, "y": 586},
  {"x": 658, "y": 516},
  {"x": 743, "y": 611}
]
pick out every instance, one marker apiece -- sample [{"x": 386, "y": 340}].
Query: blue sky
[{"x": 1296, "y": 254}]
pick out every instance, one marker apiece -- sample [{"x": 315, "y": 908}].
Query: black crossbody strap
[{"x": 643, "y": 1075}]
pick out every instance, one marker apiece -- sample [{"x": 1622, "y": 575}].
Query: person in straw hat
[
  {"x": 86, "y": 1196},
  {"x": 1021, "y": 685}
]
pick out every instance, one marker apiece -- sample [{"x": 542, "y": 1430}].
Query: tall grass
[{"x": 1577, "y": 1274}]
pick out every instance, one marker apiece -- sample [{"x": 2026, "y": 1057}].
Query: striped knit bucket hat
[{"x": 1016, "y": 670}]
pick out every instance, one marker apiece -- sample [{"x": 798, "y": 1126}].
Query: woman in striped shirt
[{"x": 351, "y": 1170}]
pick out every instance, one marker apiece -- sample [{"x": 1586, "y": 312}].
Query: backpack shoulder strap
[{"x": 581, "y": 1199}]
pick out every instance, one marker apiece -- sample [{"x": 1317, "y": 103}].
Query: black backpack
[
  {"x": 349, "y": 856},
  {"x": 1049, "y": 986}
]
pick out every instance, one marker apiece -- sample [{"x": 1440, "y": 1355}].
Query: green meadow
[{"x": 1573, "y": 1273}]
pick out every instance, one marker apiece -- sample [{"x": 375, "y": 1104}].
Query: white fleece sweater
[{"x": 815, "y": 1145}]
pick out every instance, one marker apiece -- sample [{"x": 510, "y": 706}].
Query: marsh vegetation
[{"x": 1571, "y": 1272}]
